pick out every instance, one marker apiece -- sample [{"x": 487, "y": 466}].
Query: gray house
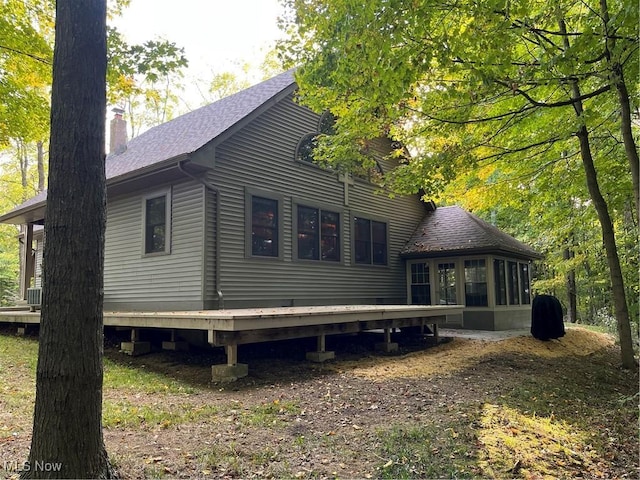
[{"x": 223, "y": 208}]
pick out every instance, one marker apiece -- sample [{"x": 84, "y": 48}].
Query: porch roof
[{"x": 454, "y": 231}]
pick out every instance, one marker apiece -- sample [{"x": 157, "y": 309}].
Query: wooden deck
[{"x": 233, "y": 327}]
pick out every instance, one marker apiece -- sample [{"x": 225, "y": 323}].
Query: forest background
[{"x": 538, "y": 194}]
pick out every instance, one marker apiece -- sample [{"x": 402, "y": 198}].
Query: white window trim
[{"x": 167, "y": 193}]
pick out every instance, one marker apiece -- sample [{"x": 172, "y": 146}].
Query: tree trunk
[
  {"x": 23, "y": 158},
  {"x": 40, "y": 147},
  {"x": 67, "y": 430},
  {"x": 609, "y": 240},
  {"x": 616, "y": 77},
  {"x": 570, "y": 280},
  {"x": 608, "y": 236}
]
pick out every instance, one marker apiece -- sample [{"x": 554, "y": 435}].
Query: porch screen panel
[
  {"x": 420, "y": 286},
  {"x": 525, "y": 291},
  {"x": 475, "y": 283},
  {"x": 447, "y": 283},
  {"x": 500, "y": 280},
  {"x": 512, "y": 282}
]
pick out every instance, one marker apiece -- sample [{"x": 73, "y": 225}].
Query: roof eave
[
  {"x": 31, "y": 214},
  {"x": 473, "y": 251}
]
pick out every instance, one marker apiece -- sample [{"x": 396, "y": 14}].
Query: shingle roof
[
  {"x": 193, "y": 130},
  {"x": 182, "y": 135},
  {"x": 454, "y": 231}
]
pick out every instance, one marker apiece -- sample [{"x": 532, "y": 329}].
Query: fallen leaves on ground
[{"x": 460, "y": 353}]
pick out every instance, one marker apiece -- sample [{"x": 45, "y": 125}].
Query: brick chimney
[{"x": 117, "y": 132}]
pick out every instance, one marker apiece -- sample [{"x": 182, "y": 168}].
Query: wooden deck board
[{"x": 232, "y": 320}]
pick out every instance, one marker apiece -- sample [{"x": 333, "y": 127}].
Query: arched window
[
  {"x": 305, "y": 148},
  {"x": 327, "y": 123}
]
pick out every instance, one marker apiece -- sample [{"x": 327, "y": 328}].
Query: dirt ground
[{"x": 294, "y": 419}]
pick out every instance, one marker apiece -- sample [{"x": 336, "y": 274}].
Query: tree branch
[
  {"x": 564, "y": 103},
  {"x": 26, "y": 54}
]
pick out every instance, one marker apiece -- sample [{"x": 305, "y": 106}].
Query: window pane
[
  {"x": 512, "y": 279},
  {"x": 379, "y": 235},
  {"x": 264, "y": 227},
  {"x": 447, "y": 283},
  {"x": 525, "y": 294},
  {"x": 330, "y": 244},
  {"x": 475, "y": 286},
  {"x": 155, "y": 224},
  {"x": 362, "y": 240},
  {"x": 500, "y": 281},
  {"x": 306, "y": 147},
  {"x": 308, "y": 233},
  {"x": 420, "y": 286}
]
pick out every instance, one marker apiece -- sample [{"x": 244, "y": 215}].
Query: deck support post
[
  {"x": 436, "y": 335},
  {"x": 387, "y": 346},
  {"x": 135, "y": 347},
  {"x": 232, "y": 370},
  {"x": 321, "y": 354},
  {"x": 22, "y": 331},
  {"x": 174, "y": 344}
]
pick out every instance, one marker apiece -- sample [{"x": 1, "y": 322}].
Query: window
[
  {"x": 500, "y": 281},
  {"x": 447, "y": 283},
  {"x": 475, "y": 283},
  {"x": 512, "y": 282},
  {"x": 157, "y": 228},
  {"x": 420, "y": 284},
  {"x": 264, "y": 227},
  {"x": 327, "y": 123},
  {"x": 306, "y": 146},
  {"x": 525, "y": 295},
  {"x": 370, "y": 241},
  {"x": 318, "y": 234}
]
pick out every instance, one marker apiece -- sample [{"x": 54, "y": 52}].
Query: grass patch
[
  {"x": 18, "y": 360},
  {"x": 124, "y": 414},
  {"x": 264, "y": 415},
  {"x": 231, "y": 460},
  {"x": 269, "y": 414},
  {"x": 138, "y": 379},
  {"x": 517, "y": 444},
  {"x": 427, "y": 451}
]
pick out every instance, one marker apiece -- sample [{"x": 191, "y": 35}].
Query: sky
[{"x": 217, "y": 35}]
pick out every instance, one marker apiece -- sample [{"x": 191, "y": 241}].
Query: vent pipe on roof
[{"x": 117, "y": 132}]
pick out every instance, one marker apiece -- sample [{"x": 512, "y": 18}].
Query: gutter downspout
[{"x": 215, "y": 190}]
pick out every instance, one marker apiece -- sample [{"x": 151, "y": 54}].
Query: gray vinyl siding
[
  {"x": 210, "y": 238},
  {"x": 260, "y": 157},
  {"x": 156, "y": 282},
  {"x": 38, "y": 266}
]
